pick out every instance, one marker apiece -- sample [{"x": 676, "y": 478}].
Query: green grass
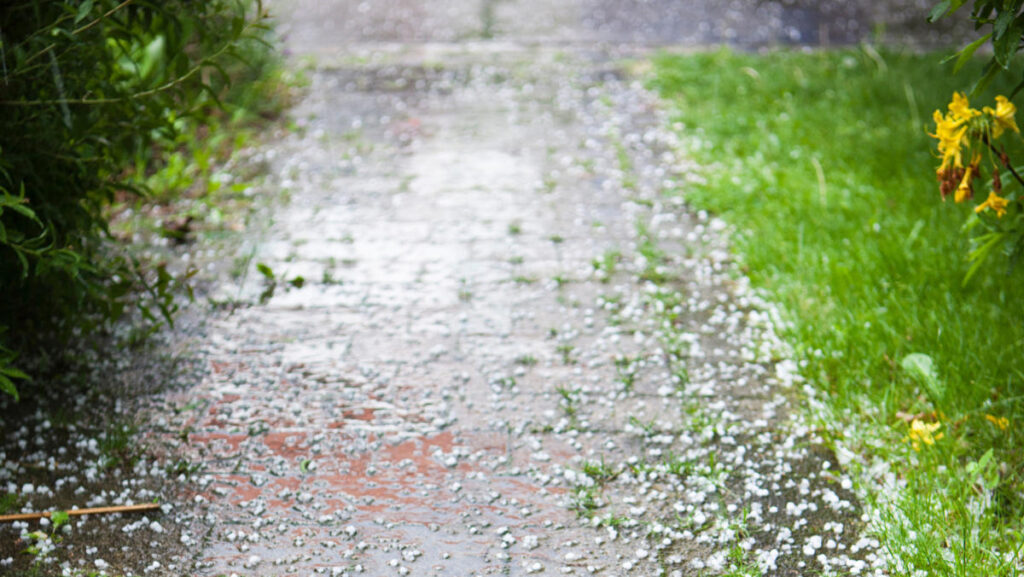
[{"x": 823, "y": 163}]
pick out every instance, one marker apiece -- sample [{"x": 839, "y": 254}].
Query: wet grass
[{"x": 822, "y": 163}]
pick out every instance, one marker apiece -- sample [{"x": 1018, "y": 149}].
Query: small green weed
[
  {"x": 649, "y": 429},
  {"x": 117, "y": 445},
  {"x": 599, "y": 471},
  {"x": 605, "y": 265},
  {"x": 506, "y": 382},
  {"x": 678, "y": 466},
  {"x": 584, "y": 502},
  {"x": 565, "y": 350},
  {"x": 328, "y": 278},
  {"x": 8, "y": 502},
  {"x": 655, "y": 260},
  {"x": 465, "y": 294},
  {"x": 570, "y": 405},
  {"x": 526, "y": 360},
  {"x": 627, "y": 369},
  {"x": 611, "y": 520},
  {"x": 740, "y": 563},
  {"x": 622, "y": 155},
  {"x": 641, "y": 467},
  {"x": 183, "y": 467},
  {"x": 271, "y": 282},
  {"x": 59, "y": 519}
]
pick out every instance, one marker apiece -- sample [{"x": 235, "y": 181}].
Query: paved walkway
[{"x": 515, "y": 351}]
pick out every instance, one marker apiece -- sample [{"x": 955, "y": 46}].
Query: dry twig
[{"x": 77, "y": 512}]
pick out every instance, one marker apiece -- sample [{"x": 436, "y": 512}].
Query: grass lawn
[{"x": 822, "y": 163}]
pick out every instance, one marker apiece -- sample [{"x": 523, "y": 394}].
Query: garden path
[{"x": 514, "y": 350}]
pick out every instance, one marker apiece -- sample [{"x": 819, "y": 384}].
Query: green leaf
[
  {"x": 964, "y": 56},
  {"x": 24, "y": 264},
  {"x": 1016, "y": 90},
  {"x": 152, "y": 57},
  {"x": 1006, "y": 37},
  {"x": 989, "y": 74},
  {"x": 945, "y": 8},
  {"x": 212, "y": 93},
  {"x": 984, "y": 471},
  {"x": 304, "y": 465},
  {"x": 7, "y": 386},
  {"x": 940, "y": 10},
  {"x": 59, "y": 518},
  {"x": 1002, "y": 23},
  {"x": 922, "y": 369},
  {"x": 13, "y": 373},
  {"x": 163, "y": 278},
  {"x": 978, "y": 255},
  {"x": 983, "y": 462},
  {"x": 83, "y": 10},
  {"x": 266, "y": 271},
  {"x": 23, "y": 210}
]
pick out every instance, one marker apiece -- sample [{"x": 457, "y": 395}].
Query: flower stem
[{"x": 1006, "y": 161}]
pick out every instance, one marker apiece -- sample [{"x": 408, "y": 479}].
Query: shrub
[{"x": 91, "y": 92}]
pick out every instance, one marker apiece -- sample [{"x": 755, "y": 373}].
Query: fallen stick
[{"x": 76, "y": 512}]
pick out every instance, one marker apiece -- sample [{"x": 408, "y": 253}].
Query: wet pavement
[
  {"x": 513, "y": 351},
  {"x": 498, "y": 342}
]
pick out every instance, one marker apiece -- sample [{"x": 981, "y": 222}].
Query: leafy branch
[
  {"x": 207, "y": 62},
  {"x": 1007, "y": 29}
]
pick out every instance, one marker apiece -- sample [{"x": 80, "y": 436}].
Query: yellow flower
[
  {"x": 1003, "y": 116},
  {"x": 921, "y": 432},
  {"x": 960, "y": 109},
  {"x": 1001, "y": 422},
  {"x": 995, "y": 202},
  {"x": 952, "y": 135},
  {"x": 964, "y": 191}
]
